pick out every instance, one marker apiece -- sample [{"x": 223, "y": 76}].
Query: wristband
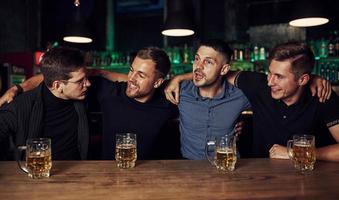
[{"x": 19, "y": 89}]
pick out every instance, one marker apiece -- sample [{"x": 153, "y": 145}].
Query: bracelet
[{"x": 19, "y": 89}]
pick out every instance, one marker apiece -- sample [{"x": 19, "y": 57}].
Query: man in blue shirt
[{"x": 205, "y": 100}]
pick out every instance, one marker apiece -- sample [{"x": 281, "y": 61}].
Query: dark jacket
[{"x": 23, "y": 119}]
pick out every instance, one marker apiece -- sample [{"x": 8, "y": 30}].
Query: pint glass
[
  {"x": 225, "y": 153},
  {"x": 301, "y": 151},
  {"x": 38, "y": 157},
  {"x": 126, "y": 150}
]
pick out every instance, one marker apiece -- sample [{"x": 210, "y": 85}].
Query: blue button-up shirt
[{"x": 202, "y": 118}]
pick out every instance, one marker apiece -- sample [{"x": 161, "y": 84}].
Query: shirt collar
[
  {"x": 305, "y": 96},
  {"x": 224, "y": 92}
]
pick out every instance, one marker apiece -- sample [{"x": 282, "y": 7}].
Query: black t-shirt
[
  {"x": 122, "y": 114},
  {"x": 60, "y": 124},
  {"x": 275, "y": 123}
]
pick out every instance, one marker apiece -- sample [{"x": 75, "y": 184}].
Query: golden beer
[
  {"x": 303, "y": 156},
  {"x": 126, "y": 155},
  {"x": 39, "y": 164},
  {"x": 225, "y": 159}
]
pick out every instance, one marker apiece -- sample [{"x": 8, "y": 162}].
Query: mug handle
[
  {"x": 21, "y": 166},
  {"x": 208, "y": 145},
  {"x": 289, "y": 149}
]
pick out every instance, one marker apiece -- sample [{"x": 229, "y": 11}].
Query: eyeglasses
[{"x": 80, "y": 82}]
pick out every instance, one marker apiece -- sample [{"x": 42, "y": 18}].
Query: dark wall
[
  {"x": 19, "y": 23},
  {"x": 28, "y": 25}
]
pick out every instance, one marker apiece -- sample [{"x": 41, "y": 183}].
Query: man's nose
[
  {"x": 199, "y": 65},
  {"x": 131, "y": 76},
  {"x": 270, "y": 80},
  {"x": 87, "y": 83}
]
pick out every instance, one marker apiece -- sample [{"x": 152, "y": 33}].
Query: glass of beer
[
  {"x": 126, "y": 150},
  {"x": 38, "y": 157},
  {"x": 301, "y": 151},
  {"x": 222, "y": 152}
]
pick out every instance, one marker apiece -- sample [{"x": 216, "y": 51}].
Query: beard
[{"x": 132, "y": 89}]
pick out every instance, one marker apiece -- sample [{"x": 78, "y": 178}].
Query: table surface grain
[{"x": 172, "y": 179}]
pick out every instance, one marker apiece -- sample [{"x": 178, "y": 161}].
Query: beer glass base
[
  {"x": 39, "y": 175},
  {"x": 304, "y": 169},
  {"x": 122, "y": 165},
  {"x": 226, "y": 170}
]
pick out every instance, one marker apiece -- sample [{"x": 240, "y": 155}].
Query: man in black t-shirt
[
  {"x": 138, "y": 105},
  {"x": 282, "y": 106}
]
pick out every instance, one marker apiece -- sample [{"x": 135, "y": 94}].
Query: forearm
[
  {"x": 328, "y": 153},
  {"x": 32, "y": 82},
  {"x": 109, "y": 75}
]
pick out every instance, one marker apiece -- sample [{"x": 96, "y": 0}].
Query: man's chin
[
  {"x": 276, "y": 96},
  {"x": 130, "y": 94},
  {"x": 198, "y": 82}
]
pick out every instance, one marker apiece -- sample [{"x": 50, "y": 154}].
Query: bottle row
[
  {"x": 326, "y": 47},
  {"x": 329, "y": 70}
]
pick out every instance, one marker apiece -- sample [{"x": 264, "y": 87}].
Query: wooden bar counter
[{"x": 172, "y": 179}]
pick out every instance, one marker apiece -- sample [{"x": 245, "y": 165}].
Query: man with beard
[
  {"x": 53, "y": 109},
  {"x": 136, "y": 106}
]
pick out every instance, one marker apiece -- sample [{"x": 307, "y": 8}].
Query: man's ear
[
  {"x": 158, "y": 82},
  {"x": 303, "y": 79},
  {"x": 225, "y": 68},
  {"x": 58, "y": 86}
]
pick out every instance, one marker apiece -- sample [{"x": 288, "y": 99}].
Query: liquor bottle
[
  {"x": 331, "y": 45},
  {"x": 235, "y": 54},
  {"x": 322, "y": 70},
  {"x": 336, "y": 46},
  {"x": 334, "y": 74},
  {"x": 241, "y": 57},
  {"x": 247, "y": 55},
  {"x": 323, "y": 48},
  {"x": 256, "y": 52},
  {"x": 328, "y": 72},
  {"x": 262, "y": 54}
]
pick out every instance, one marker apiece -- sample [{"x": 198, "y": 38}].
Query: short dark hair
[
  {"x": 219, "y": 46},
  {"x": 159, "y": 57},
  {"x": 59, "y": 62},
  {"x": 299, "y": 54}
]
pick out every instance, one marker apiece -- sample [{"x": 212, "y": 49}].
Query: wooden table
[{"x": 172, "y": 179}]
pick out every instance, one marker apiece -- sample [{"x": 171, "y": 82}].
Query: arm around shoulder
[
  {"x": 27, "y": 85},
  {"x": 173, "y": 88}
]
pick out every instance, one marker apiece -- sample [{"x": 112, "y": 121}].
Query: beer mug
[
  {"x": 301, "y": 151},
  {"x": 222, "y": 152},
  {"x": 126, "y": 150},
  {"x": 38, "y": 157}
]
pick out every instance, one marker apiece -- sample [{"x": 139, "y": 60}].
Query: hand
[
  {"x": 172, "y": 91},
  {"x": 278, "y": 152},
  {"x": 238, "y": 128},
  {"x": 9, "y": 95},
  {"x": 321, "y": 87}
]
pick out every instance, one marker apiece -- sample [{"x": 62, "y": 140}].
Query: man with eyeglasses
[
  {"x": 53, "y": 109},
  {"x": 136, "y": 104}
]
